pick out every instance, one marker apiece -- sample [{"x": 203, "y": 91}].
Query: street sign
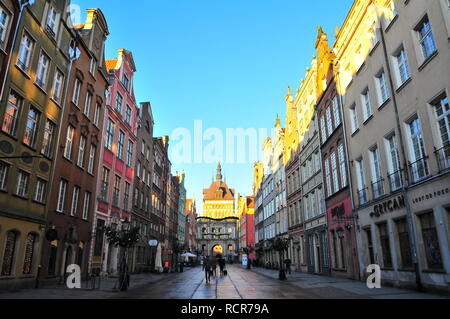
[
  {"x": 244, "y": 260},
  {"x": 153, "y": 243}
]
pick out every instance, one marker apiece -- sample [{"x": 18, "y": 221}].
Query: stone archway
[{"x": 217, "y": 250}]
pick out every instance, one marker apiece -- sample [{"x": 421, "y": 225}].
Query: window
[
  {"x": 342, "y": 165},
  {"x": 370, "y": 246},
  {"x": 426, "y": 38},
  {"x": 362, "y": 189},
  {"x": 86, "y": 203},
  {"x": 382, "y": 88},
  {"x": 119, "y": 102},
  {"x": 335, "y": 172},
  {"x": 143, "y": 148},
  {"x": 9, "y": 254},
  {"x": 391, "y": 12},
  {"x": 69, "y": 142},
  {"x": 109, "y": 134},
  {"x": 336, "y": 111},
  {"x": 431, "y": 242},
  {"x": 328, "y": 177},
  {"x": 419, "y": 164},
  {"x": 354, "y": 119},
  {"x": 120, "y": 145},
  {"x": 76, "y": 92},
  {"x": 29, "y": 137},
  {"x": 57, "y": 86},
  {"x": 393, "y": 159},
  {"x": 130, "y": 154},
  {"x": 61, "y": 196},
  {"x": 42, "y": 70},
  {"x": 329, "y": 122},
  {"x": 367, "y": 105},
  {"x": 385, "y": 245},
  {"x": 105, "y": 184},
  {"x": 401, "y": 67},
  {"x": 125, "y": 81},
  {"x": 374, "y": 35},
  {"x": 12, "y": 113},
  {"x": 75, "y": 197},
  {"x": 377, "y": 182},
  {"x": 138, "y": 170},
  {"x": 29, "y": 253},
  {"x": 126, "y": 196},
  {"x": 442, "y": 110},
  {"x": 4, "y": 168},
  {"x": 128, "y": 114},
  {"x": 97, "y": 114},
  {"x": 92, "y": 66},
  {"x": 87, "y": 104},
  {"x": 39, "y": 195},
  {"x": 51, "y": 22},
  {"x": 4, "y": 24},
  {"x": 136, "y": 197},
  {"x": 81, "y": 151},
  {"x": 25, "y": 51},
  {"x": 404, "y": 243},
  {"x": 23, "y": 180},
  {"x": 91, "y": 163},
  {"x": 323, "y": 129},
  {"x": 116, "y": 194}
]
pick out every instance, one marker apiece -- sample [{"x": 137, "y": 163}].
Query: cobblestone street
[{"x": 239, "y": 284}]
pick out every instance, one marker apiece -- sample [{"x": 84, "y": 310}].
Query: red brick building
[{"x": 72, "y": 198}]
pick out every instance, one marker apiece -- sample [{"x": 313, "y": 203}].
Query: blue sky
[{"x": 227, "y": 63}]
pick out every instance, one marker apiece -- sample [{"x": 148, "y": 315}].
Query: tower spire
[{"x": 219, "y": 173}]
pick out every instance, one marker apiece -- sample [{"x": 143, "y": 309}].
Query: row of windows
[
  {"x": 110, "y": 129},
  {"x": 10, "y": 252},
  {"x": 82, "y": 150},
  {"x": 32, "y": 128},
  {"x": 418, "y": 159},
  {"x": 22, "y": 184},
  {"x": 61, "y": 206},
  {"x": 335, "y": 171}
]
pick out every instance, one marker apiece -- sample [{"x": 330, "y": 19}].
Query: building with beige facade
[{"x": 394, "y": 76}]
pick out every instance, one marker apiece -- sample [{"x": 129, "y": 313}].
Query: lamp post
[{"x": 126, "y": 238}]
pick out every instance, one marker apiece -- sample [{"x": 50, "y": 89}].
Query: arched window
[
  {"x": 29, "y": 253},
  {"x": 9, "y": 253}
]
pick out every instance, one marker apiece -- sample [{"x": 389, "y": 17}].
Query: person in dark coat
[
  {"x": 221, "y": 265},
  {"x": 208, "y": 269}
]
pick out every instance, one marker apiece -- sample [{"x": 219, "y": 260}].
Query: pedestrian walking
[
  {"x": 222, "y": 266},
  {"x": 208, "y": 268},
  {"x": 288, "y": 263},
  {"x": 214, "y": 268}
]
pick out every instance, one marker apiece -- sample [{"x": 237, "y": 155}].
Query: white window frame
[
  {"x": 23, "y": 182},
  {"x": 366, "y": 104},
  {"x": 91, "y": 163},
  {"x": 4, "y": 26},
  {"x": 382, "y": 88},
  {"x": 61, "y": 196},
  {"x": 81, "y": 151},
  {"x": 58, "y": 81},
  {"x": 25, "y": 52},
  {"x": 76, "y": 92},
  {"x": 42, "y": 70},
  {"x": 86, "y": 204},
  {"x": 354, "y": 119},
  {"x": 69, "y": 142},
  {"x": 87, "y": 103},
  {"x": 75, "y": 198}
]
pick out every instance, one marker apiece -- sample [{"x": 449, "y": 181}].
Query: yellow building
[
  {"x": 258, "y": 175},
  {"x": 218, "y": 199}
]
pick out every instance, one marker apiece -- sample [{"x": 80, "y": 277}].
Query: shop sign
[
  {"x": 430, "y": 196},
  {"x": 389, "y": 206}
]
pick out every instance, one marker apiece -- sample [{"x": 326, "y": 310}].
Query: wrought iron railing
[
  {"x": 395, "y": 180},
  {"x": 22, "y": 65},
  {"x": 419, "y": 170},
  {"x": 443, "y": 157},
  {"x": 378, "y": 189}
]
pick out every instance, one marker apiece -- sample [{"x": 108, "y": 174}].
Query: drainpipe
[
  {"x": 22, "y": 7},
  {"x": 410, "y": 216}
]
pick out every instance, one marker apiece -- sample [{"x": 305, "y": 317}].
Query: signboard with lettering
[{"x": 388, "y": 206}]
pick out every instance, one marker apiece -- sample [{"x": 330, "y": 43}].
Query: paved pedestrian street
[{"x": 239, "y": 284}]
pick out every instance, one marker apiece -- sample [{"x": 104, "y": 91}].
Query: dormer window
[{"x": 51, "y": 22}]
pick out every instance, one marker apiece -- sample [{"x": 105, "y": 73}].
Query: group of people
[{"x": 212, "y": 267}]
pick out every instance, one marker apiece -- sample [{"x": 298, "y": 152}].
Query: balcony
[
  {"x": 419, "y": 170},
  {"x": 362, "y": 196},
  {"x": 378, "y": 189},
  {"x": 395, "y": 181},
  {"x": 443, "y": 158}
]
